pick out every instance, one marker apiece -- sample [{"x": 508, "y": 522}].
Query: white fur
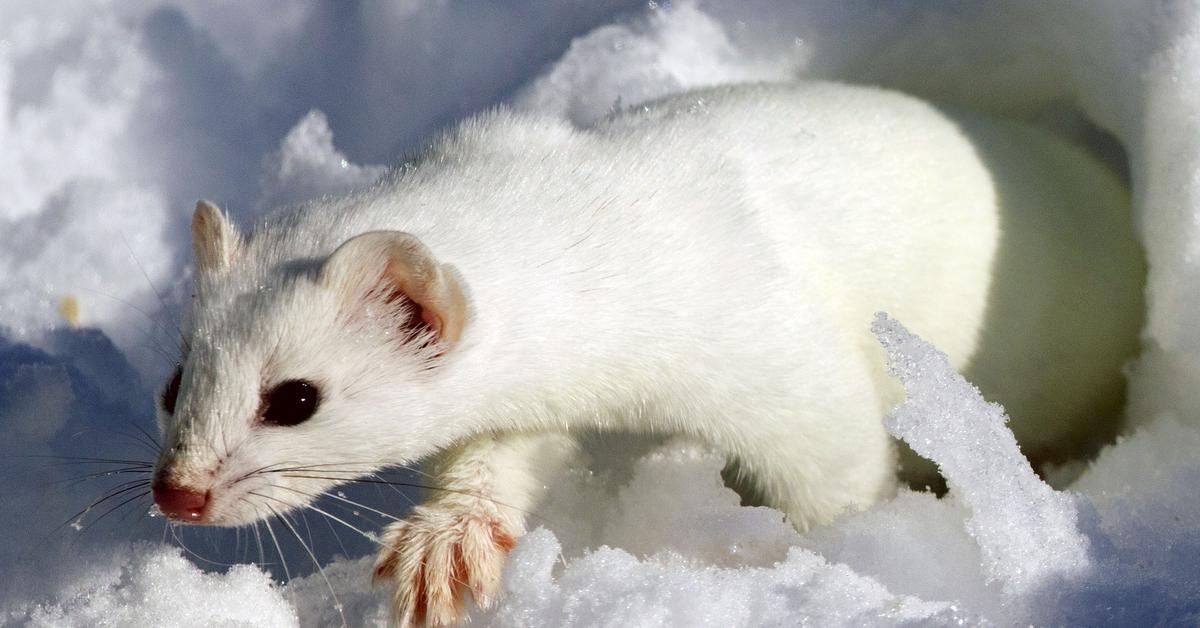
[{"x": 706, "y": 265}]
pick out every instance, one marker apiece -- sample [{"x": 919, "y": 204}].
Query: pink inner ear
[
  {"x": 416, "y": 314},
  {"x": 405, "y": 276}
]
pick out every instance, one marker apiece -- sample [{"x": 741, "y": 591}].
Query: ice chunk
[{"x": 1026, "y": 531}]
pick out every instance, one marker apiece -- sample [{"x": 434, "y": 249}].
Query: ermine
[{"x": 706, "y": 265}]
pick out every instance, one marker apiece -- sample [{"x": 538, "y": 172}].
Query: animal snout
[{"x": 179, "y": 503}]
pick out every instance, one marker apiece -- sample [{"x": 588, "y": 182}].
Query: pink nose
[{"x": 178, "y": 503}]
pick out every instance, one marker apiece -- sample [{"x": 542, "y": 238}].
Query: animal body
[{"x": 705, "y": 265}]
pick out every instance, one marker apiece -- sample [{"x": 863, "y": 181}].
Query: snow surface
[{"x": 115, "y": 117}]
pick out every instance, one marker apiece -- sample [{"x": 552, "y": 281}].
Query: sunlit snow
[{"x": 116, "y": 117}]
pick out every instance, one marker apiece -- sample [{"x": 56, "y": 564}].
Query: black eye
[
  {"x": 171, "y": 392},
  {"x": 290, "y": 403}
]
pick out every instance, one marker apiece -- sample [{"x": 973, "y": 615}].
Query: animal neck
[{"x": 547, "y": 344}]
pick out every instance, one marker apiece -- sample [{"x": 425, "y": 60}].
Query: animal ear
[
  {"x": 215, "y": 239},
  {"x": 404, "y": 267}
]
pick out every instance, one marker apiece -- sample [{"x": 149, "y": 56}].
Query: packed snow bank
[{"x": 116, "y": 117}]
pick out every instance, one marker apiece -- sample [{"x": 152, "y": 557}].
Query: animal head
[{"x": 297, "y": 375}]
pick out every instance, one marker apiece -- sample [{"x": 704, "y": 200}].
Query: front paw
[{"x": 437, "y": 555}]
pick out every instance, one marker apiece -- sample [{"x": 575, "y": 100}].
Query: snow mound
[
  {"x": 611, "y": 587},
  {"x": 307, "y": 166},
  {"x": 154, "y": 585}
]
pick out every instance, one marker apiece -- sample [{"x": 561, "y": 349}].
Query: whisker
[
  {"x": 79, "y": 479},
  {"x": 167, "y": 358},
  {"x": 65, "y": 460},
  {"x": 140, "y": 512},
  {"x": 307, "y": 529},
  {"x": 237, "y": 544},
  {"x": 262, "y": 556},
  {"x": 368, "y": 535},
  {"x": 358, "y": 480},
  {"x": 379, "y": 491},
  {"x": 111, "y": 510},
  {"x": 279, "y": 550},
  {"x": 124, "y": 302},
  {"x": 147, "y": 447},
  {"x": 374, "y": 538},
  {"x": 380, "y": 482},
  {"x": 143, "y": 437},
  {"x": 351, "y": 502},
  {"x": 171, "y": 527},
  {"x": 161, "y": 301},
  {"x": 322, "y": 466},
  {"x": 149, "y": 437},
  {"x": 76, "y": 518},
  {"x": 263, "y": 469},
  {"x": 224, "y": 442},
  {"x": 155, "y": 324},
  {"x": 524, "y": 511},
  {"x": 425, "y": 487},
  {"x": 337, "y": 604},
  {"x": 336, "y": 536},
  {"x": 374, "y": 468}
]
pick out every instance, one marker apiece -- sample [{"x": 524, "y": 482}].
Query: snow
[
  {"x": 308, "y": 165},
  {"x": 658, "y": 54},
  {"x": 116, "y": 117},
  {"x": 142, "y": 588},
  {"x": 1027, "y": 532},
  {"x": 611, "y": 587}
]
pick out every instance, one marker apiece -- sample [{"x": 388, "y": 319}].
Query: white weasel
[{"x": 706, "y": 265}]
